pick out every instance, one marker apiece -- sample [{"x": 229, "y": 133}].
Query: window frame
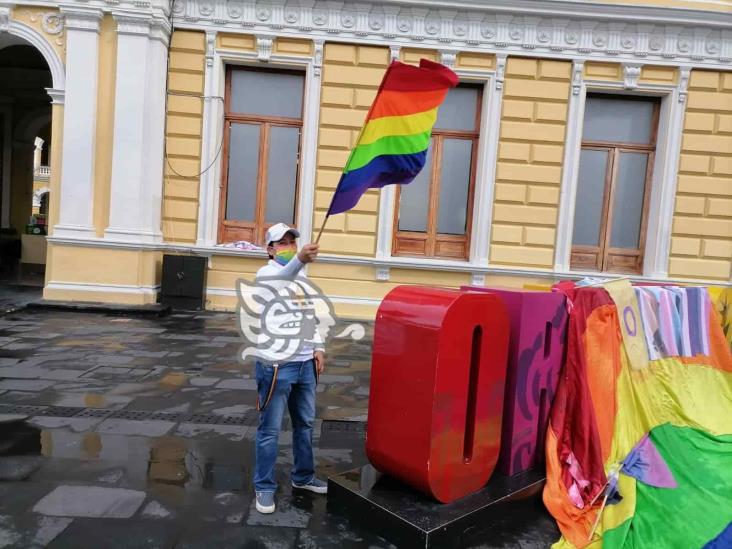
[
  {"x": 230, "y": 230},
  {"x": 431, "y": 239},
  {"x": 606, "y": 258}
]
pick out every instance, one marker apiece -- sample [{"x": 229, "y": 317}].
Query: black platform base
[{"x": 506, "y": 513}]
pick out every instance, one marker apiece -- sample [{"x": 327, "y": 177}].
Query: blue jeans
[{"x": 294, "y": 387}]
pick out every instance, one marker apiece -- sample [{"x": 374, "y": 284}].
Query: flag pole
[{"x": 322, "y": 227}]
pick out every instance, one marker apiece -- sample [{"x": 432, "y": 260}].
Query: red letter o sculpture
[{"x": 437, "y": 383}]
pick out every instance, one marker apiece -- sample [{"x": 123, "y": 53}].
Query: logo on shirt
[{"x": 281, "y": 319}]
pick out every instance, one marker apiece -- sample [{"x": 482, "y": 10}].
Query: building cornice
[
  {"x": 159, "y": 8},
  {"x": 81, "y": 18},
  {"x": 526, "y": 27}
]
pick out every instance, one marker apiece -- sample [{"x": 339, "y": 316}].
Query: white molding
[
  {"x": 346, "y": 300},
  {"x": 57, "y": 96},
  {"x": 485, "y": 175},
  {"x": 211, "y": 145},
  {"x": 631, "y": 75},
  {"x": 383, "y": 273},
  {"x": 394, "y": 51},
  {"x": 387, "y": 203},
  {"x": 135, "y": 24},
  {"x": 448, "y": 57},
  {"x": 570, "y": 162},
  {"x": 36, "y": 39},
  {"x": 477, "y": 279},
  {"x": 485, "y": 185},
  {"x": 665, "y": 179},
  {"x": 160, "y": 8},
  {"x": 37, "y": 195},
  {"x": 391, "y": 263},
  {"x": 309, "y": 147},
  {"x": 81, "y": 18},
  {"x": 665, "y": 169},
  {"x": 264, "y": 48},
  {"x": 95, "y": 287},
  {"x": 6, "y": 11},
  {"x": 215, "y": 75},
  {"x": 567, "y": 29},
  {"x": 80, "y": 122}
]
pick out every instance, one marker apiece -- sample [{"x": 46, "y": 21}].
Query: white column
[
  {"x": 139, "y": 120},
  {"x": 152, "y": 198},
  {"x": 80, "y": 123}
]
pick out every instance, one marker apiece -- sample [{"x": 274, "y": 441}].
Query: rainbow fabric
[
  {"x": 667, "y": 429},
  {"x": 392, "y": 147}
]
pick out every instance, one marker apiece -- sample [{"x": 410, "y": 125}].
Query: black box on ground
[{"x": 184, "y": 282}]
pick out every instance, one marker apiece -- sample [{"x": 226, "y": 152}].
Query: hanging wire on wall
[{"x": 218, "y": 148}]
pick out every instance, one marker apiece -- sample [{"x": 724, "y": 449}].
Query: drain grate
[
  {"x": 131, "y": 414},
  {"x": 340, "y": 426},
  {"x": 165, "y": 416},
  {"x": 94, "y": 412},
  {"x": 246, "y": 419},
  {"x": 207, "y": 419},
  {"x": 21, "y": 409},
  {"x": 61, "y": 411}
]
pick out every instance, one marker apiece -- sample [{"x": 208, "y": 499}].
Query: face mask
[{"x": 283, "y": 257}]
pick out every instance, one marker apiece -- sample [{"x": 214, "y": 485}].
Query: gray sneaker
[
  {"x": 265, "y": 502},
  {"x": 315, "y": 485}
]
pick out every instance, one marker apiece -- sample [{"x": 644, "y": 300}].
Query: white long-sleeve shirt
[{"x": 281, "y": 277}]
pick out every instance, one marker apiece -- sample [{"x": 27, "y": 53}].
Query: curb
[{"x": 154, "y": 309}]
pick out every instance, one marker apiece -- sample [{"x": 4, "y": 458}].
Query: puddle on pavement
[{"x": 146, "y": 462}]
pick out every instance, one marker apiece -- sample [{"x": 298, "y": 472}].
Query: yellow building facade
[{"x": 601, "y": 143}]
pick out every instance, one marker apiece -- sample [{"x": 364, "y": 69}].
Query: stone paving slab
[
  {"x": 19, "y": 467},
  {"x": 90, "y": 501},
  {"x": 206, "y": 536},
  {"x": 147, "y": 428},
  {"x": 12, "y": 418},
  {"x": 30, "y": 531},
  {"x": 117, "y": 534},
  {"x": 25, "y": 384}
]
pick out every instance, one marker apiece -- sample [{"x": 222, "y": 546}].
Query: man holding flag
[{"x": 391, "y": 148}]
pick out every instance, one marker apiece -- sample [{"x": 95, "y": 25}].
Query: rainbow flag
[{"x": 392, "y": 147}]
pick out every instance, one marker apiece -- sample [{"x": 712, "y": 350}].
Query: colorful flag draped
[
  {"x": 392, "y": 147},
  {"x": 670, "y": 422}
]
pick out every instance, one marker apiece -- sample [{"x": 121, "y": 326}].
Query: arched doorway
[{"x": 25, "y": 156}]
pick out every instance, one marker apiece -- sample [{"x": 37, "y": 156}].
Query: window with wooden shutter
[
  {"x": 263, "y": 126},
  {"x": 614, "y": 183},
  {"x": 433, "y": 213}
]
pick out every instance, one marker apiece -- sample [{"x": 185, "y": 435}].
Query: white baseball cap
[{"x": 278, "y": 231}]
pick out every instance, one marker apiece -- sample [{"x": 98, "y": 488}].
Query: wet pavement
[
  {"x": 121, "y": 431},
  {"x": 14, "y": 297}
]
